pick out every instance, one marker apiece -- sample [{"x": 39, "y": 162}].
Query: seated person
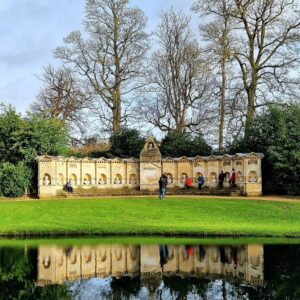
[
  {"x": 188, "y": 183},
  {"x": 68, "y": 187},
  {"x": 65, "y": 188}
]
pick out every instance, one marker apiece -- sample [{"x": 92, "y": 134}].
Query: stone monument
[
  {"x": 150, "y": 165},
  {"x": 117, "y": 174}
]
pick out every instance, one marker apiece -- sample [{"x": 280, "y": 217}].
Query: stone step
[{"x": 171, "y": 192}]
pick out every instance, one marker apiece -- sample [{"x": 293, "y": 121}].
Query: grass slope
[
  {"x": 196, "y": 216},
  {"x": 145, "y": 240}
]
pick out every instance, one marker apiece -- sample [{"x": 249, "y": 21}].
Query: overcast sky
[{"x": 31, "y": 29}]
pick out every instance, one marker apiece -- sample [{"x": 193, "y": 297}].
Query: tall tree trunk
[
  {"x": 250, "y": 110},
  {"x": 224, "y": 58},
  {"x": 117, "y": 109},
  {"x": 251, "y": 92},
  {"x": 116, "y": 112},
  {"x": 222, "y": 104}
]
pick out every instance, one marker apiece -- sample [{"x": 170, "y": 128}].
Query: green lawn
[
  {"x": 145, "y": 240},
  {"x": 150, "y": 216}
]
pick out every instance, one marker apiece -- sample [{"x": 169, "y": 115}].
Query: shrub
[
  {"x": 128, "y": 143},
  {"x": 14, "y": 179},
  {"x": 21, "y": 140}
]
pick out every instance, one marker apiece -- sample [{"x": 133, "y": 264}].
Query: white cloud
[{"x": 31, "y": 29}]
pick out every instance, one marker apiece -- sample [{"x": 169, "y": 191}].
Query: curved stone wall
[{"x": 102, "y": 173}]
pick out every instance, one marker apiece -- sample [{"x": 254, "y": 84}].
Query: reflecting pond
[{"x": 149, "y": 271}]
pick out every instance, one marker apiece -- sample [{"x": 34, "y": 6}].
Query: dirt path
[{"x": 275, "y": 198}]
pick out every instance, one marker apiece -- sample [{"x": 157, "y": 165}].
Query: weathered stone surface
[{"x": 118, "y": 174}]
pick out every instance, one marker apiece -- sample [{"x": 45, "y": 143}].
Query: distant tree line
[{"x": 114, "y": 74}]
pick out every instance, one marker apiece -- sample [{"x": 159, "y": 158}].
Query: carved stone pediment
[
  {"x": 169, "y": 159},
  {"x": 150, "y": 151},
  {"x": 183, "y": 158},
  {"x": 213, "y": 158}
]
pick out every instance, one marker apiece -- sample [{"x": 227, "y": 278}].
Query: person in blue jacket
[{"x": 200, "y": 181}]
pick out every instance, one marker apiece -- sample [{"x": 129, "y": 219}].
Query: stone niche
[{"x": 143, "y": 174}]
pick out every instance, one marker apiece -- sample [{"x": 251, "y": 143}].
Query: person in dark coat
[
  {"x": 165, "y": 178},
  {"x": 68, "y": 187},
  {"x": 162, "y": 187},
  {"x": 222, "y": 176}
]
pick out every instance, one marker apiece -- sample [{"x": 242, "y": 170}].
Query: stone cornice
[{"x": 226, "y": 157}]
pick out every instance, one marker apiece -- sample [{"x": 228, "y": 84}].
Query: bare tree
[
  {"x": 266, "y": 49},
  {"x": 61, "y": 97},
  {"x": 216, "y": 33},
  {"x": 177, "y": 76},
  {"x": 109, "y": 56}
]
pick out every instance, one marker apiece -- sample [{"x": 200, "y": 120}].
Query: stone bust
[
  {"x": 150, "y": 146},
  {"x": 46, "y": 180}
]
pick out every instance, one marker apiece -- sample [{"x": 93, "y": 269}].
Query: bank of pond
[
  {"x": 193, "y": 216},
  {"x": 150, "y": 268}
]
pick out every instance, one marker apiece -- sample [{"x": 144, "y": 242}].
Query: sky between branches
[{"x": 31, "y": 29}]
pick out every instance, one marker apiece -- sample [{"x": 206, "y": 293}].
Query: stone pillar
[
  {"x": 80, "y": 179},
  {"x": 253, "y": 179},
  {"x": 150, "y": 166},
  {"x": 126, "y": 173},
  {"x": 110, "y": 173}
]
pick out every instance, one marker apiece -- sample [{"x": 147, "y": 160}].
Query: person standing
[
  {"x": 162, "y": 187},
  {"x": 221, "y": 179},
  {"x": 165, "y": 178},
  {"x": 188, "y": 183},
  {"x": 200, "y": 182},
  {"x": 232, "y": 178}
]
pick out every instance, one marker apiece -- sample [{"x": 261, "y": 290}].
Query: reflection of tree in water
[
  {"x": 152, "y": 284},
  {"x": 18, "y": 273},
  {"x": 180, "y": 287},
  {"x": 281, "y": 269},
  {"x": 282, "y": 272},
  {"x": 125, "y": 287}
]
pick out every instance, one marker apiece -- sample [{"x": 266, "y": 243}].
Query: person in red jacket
[
  {"x": 188, "y": 183},
  {"x": 232, "y": 178}
]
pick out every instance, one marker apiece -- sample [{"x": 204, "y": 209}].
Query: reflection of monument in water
[
  {"x": 58, "y": 264},
  {"x": 151, "y": 262}
]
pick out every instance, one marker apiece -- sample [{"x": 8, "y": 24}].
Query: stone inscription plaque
[
  {"x": 151, "y": 175},
  {"x": 101, "y": 166}
]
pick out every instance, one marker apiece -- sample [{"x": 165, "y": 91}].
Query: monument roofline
[{"x": 168, "y": 158}]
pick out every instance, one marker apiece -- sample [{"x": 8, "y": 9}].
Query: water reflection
[
  {"x": 150, "y": 272},
  {"x": 151, "y": 263}
]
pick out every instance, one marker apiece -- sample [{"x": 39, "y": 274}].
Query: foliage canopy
[
  {"x": 21, "y": 140},
  {"x": 177, "y": 144},
  {"x": 276, "y": 134}
]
